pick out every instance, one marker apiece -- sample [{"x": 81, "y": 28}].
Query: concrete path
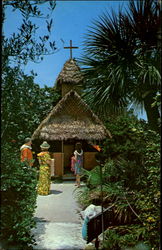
[{"x": 58, "y": 219}]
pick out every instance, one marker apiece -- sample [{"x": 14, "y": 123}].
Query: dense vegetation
[
  {"x": 24, "y": 105},
  {"x": 121, "y": 64},
  {"x": 18, "y": 187},
  {"x": 131, "y": 183}
]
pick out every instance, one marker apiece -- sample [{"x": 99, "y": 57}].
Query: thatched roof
[
  {"x": 71, "y": 118},
  {"x": 70, "y": 73}
]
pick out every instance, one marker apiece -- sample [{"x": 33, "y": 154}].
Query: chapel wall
[{"x": 90, "y": 160}]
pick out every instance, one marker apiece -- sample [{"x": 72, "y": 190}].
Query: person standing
[
  {"x": 78, "y": 154},
  {"x": 26, "y": 152},
  {"x": 45, "y": 161}
]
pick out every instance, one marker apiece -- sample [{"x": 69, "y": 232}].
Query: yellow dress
[{"x": 44, "y": 174}]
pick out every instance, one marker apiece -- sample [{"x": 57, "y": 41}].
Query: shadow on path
[
  {"x": 55, "y": 192},
  {"x": 40, "y": 229},
  {"x": 40, "y": 219}
]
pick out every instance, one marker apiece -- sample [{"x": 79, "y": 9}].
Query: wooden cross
[{"x": 71, "y": 47}]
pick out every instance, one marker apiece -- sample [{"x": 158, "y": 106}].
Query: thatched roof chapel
[{"x": 71, "y": 118}]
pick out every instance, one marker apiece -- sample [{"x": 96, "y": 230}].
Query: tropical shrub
[
  {"x": 131, "y": 183},
  {"x": 18, "y": 193},
  {"x": 24, "y": 105}
]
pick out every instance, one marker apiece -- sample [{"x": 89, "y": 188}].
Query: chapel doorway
[{"x": 68, "y": 151}]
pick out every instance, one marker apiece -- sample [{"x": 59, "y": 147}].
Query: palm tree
[{"x": 122, "y": 61}]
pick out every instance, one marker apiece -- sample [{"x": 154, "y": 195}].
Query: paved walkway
[{"x": 59, "y": 222}]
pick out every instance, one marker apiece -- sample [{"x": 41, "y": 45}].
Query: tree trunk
[{"x": 153, "y": 113}]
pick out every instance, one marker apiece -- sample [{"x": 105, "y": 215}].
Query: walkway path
[{"x": 58, "y": 220}]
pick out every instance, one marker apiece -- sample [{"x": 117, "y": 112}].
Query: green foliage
[
  {"x": 125, "y": 237},
  {"x": 157, "y": 101},
  {"x": 139, "y": 246},
  {"x": 131, "y": 183},
  {"x": 83, "y": 197},
  {"x": 93, "y": 177},
  {"x": 24, "y": 104},
  {"x": 18, "y": 188}
]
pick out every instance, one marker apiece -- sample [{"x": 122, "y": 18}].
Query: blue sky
[{"x": 70, "y": 22}]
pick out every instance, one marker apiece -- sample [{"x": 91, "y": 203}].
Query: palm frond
[{"x": 121, "y": 57}]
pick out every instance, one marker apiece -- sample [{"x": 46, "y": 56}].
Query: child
[{"x": 73, "y": 163}]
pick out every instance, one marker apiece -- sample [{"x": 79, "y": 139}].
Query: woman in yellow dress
[{"x": 44, "y": 170}]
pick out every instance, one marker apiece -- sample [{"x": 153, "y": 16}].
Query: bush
[
  {"x": 18, "y": 187},
  {"x": 137, "y": 161},
  {"x": 123, "y": 237},
  {"x": 131, "y": 183}
]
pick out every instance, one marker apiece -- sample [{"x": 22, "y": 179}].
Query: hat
[
  {"x": 45, "y": 145},
  {"x": 27, "y": 139}
]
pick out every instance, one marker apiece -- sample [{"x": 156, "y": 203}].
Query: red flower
[{"x": 97, "y": 147}]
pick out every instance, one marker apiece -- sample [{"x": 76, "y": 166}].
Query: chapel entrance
[{"x": 68, "y": 151}]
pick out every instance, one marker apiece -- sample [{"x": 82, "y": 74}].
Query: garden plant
[{"x": 131, "y": 184}]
